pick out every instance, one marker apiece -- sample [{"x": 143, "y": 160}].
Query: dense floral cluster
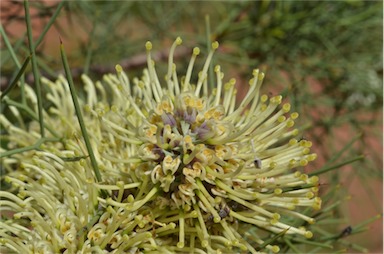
[{"x": 184, "y": 169}]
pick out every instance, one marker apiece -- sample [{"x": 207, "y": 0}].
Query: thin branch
[
  {"x": 133, "y": 62},
  {"x": 35, "y": 146}
]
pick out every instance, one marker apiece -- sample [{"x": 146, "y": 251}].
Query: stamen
[
  {"x": 177, "y": 42},
  {"x": 229, "y": 233},
  {"x": 154, "y": 80},
  {"x": 203, "y": 199},
  {"x": 219, "y": 78},
  {"x": 181, "y": 242},
  {"x": 175, "y": 80},
  {"x": 196, "y": 52},
  {"x": 240, "y": 193},
  {"x": 229, "y": 94},
  {"x": 205, "y": 238},
  {"x": 118, "y": 186},
  {"x": 255, "y": 208},
  {"x": 203, "y": 76}
]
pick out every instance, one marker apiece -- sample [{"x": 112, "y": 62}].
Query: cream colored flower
[{"x": 185, "y": 169}]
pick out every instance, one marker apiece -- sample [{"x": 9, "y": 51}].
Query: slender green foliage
[
  {"x": 79, "y": 114},
  {"x": 18, "y": 77},
  {"x": 34, "y": 68}
]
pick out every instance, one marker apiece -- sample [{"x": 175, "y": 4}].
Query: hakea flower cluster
[{"x": 184, "y": 169}]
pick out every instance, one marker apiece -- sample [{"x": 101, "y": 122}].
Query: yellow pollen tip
[
  {"x": 272, "y": 165},
  {"x": 87, "y": 108},
  {"x": 114, "y": 108},
  {"x": 312, "y": 157},
  {"x": 276, "y": 216},
  {"x": 215, "y": 45},
  {"x": 314, "y": 179},
  {"x": 304, "y": 177},
  {"x": 315, "y": 189},
  {"x": 130, "y": 198},
  {"x": 118, "y": 68},
  {"x": 281, "y": 119},
  {"x": 148, "y": 45},
  {"x": 204, "y": 243},
  {"x": 294, "y": 115},
  {"x": 276, "y": 99},
  {"x": 303, "y": 162},
  {"x": 217, "y": 68},
  {"x": 188, "y": 208},
  {"x": 273, "y": 221},
  {"x": 82, "y": 162},
  {"x": 275, "y": 249},
  {"x": 263, "y": 107},
  {"x": 196, "y": 51},
  {"x": 290, "y": 123},
  {"x": 286, "y": 107},
  {"x": 264, "y": 98},
  {"x": 308, "y": 234},
  {"x": 261, "y": 76},
  {"x": 278, "y": 191},
  {"x": 309, "y": 195},
  {"x": 178, "y": 41}
]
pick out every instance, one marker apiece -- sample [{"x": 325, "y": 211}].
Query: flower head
[{"x": 185, "y": 169}]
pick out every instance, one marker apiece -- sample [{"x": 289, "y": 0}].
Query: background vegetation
[{"x": 324, "y": 56}]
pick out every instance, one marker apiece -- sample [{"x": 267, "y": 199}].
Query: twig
[{"x": 133, "y": 62}]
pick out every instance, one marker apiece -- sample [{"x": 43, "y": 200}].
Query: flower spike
[{"x": 183, "y": 170}]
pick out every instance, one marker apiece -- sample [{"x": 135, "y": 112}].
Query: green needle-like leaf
[
  {"x": 17, "y": 78},
  {"x": 79, "y": 114},
  {"x": 338, "y": 165},
  {"x": 34, "y": 68}
]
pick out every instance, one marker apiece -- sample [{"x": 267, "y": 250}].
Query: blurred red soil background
[{"x": 361, "y": 204}]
